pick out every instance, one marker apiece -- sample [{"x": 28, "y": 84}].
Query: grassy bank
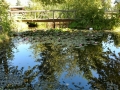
[{"x": 4, "y": 37}]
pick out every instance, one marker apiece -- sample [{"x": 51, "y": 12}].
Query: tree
[
  {"x": 49, "y": 2},
  {"x": 89, "y": 13},
  {"x": 18, "y": 3},
  {"x": 4, "y": 22}
]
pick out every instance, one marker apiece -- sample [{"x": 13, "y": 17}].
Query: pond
[{"x": 60, "y": 60}]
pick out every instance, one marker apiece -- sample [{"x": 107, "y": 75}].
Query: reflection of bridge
[{"x": 44, "y": 15}]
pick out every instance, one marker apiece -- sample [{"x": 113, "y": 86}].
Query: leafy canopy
[{"x": 49, "y": 2}]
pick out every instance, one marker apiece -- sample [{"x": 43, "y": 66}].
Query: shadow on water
[{"x": 61, "y": 61}]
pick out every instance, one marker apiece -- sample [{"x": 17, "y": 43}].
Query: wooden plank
[
  {"x": 45, "y": 20},
  {"x": 24, "y": 11}
]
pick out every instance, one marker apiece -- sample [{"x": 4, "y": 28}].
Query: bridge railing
[{"x": 43, "y": 14}]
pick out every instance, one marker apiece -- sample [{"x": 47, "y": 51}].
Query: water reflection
[
  {"x": 108, "y": 71},
  {"x": 6, "y": 54},
  {"x": 31, "y": 63}
]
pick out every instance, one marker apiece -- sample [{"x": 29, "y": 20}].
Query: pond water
[{"x": 61, "y": 61}]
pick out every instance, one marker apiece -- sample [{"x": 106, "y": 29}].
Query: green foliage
[
  {"x": 89, "y": 13},
  {"x": 18, "y": 3},
  {"x": 49, "y": 2},
  {"x": 5, "y": 22},
  {"x": 117, "y": 7},
  {"x": 45, "y": 4},
  {"x": 92, "y": 14},
  {"x": 35, "y": 5}
]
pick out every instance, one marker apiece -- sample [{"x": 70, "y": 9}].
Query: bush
[
  {"x": 4, "y": 20},
  {"x": 5, "y": 24},
  {"x": 95, "y": 19}
]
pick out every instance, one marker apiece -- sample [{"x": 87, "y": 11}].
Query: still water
[{"x": 61, "y": 61}]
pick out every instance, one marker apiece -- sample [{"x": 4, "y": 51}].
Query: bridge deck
[
  {"x": 46, "y": 15},
  {"x": 45, "y": 20}
]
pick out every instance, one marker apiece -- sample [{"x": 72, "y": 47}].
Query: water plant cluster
[
  {"x": 70, "y": 38},
  {"x": 24, "y": 80},
  {"x": 55, "y": 56}
]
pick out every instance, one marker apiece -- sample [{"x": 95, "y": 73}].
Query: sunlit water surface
[{"x": 46, "y": 68}]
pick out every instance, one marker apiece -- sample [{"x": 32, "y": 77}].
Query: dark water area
[{"x": 61, "y": 61}]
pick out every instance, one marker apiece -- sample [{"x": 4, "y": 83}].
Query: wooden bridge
[
  {"x": 65, "y": 16},
  {"x": 44, "y": 15}
]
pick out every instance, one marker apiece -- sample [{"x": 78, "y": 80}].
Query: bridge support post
[
  {"x": 53, "y": 20},
  {"x": 53, "y": 24}
]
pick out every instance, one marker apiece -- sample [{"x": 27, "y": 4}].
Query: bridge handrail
[
  {"x": 43, "y": 14},
  {"x": 42, "y": 11}
]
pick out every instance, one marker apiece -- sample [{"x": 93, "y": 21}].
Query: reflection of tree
[
  {"x": 6, "y": 54},
  {"x": 56, "y": 58},
  {"x": 116, "y": 38},
  {"x": 51, "y": 57},
  {"x": 10, "y": 76},
  {"x": 108, "y": 71},
  {"x": 53, "y": 62},
  {"x": 87, "y": 58},
  {"x": 17, "y": 79}
]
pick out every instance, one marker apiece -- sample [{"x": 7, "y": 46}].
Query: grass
[
  {"x": 23, "y": 26},
  {"x": 4, "y": 37},
  {"x": 116, "y": 29}
]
